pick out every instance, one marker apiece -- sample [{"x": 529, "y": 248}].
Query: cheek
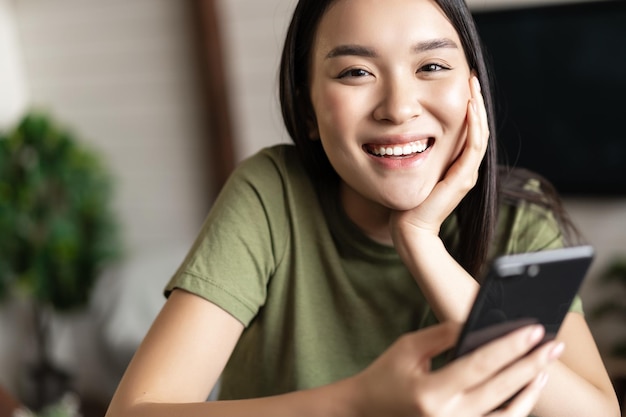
[
  {"x": 335, "y": 111},
  {"x": 454, "y": 99},
  {"x": 325, "y": 105}
]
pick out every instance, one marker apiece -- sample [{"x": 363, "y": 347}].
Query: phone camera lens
[{"x": 533, "y": 270}]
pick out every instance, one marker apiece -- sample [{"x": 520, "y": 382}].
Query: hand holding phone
[{"x": 522, "y": 289}]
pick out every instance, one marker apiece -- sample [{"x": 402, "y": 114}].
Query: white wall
[
  {"x": 253, "y": 32},
  {"x": 13, "y": 98},
  {"x": 13, "y": 91},
  {"x": 122, "y": 75}
]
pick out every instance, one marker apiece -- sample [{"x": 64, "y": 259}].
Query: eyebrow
[{"x": 367, "y": 52}]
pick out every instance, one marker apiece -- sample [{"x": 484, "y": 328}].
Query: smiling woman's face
[{"x": 390, "y": 90}]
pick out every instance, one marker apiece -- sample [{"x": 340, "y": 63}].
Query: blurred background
[{"x": 169, "y": 96}]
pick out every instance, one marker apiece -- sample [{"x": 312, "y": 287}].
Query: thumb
[{"x": 431, "y": 341}]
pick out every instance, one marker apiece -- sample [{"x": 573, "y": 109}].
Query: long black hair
[{"x": 476, "y": 214}]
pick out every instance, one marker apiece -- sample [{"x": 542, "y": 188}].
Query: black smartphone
[{"x": 521, "y": 289}]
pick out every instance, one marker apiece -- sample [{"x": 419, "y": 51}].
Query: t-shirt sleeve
[{"x": 240, "y": 242}]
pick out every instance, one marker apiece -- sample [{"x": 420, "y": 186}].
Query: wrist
[
  {"x": 349, "y": 397},
  {"x": 448, "y": 288},
  {"x": 415, "y": 244}
]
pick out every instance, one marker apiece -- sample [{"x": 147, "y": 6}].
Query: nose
[{"x": 399, "y": 102}]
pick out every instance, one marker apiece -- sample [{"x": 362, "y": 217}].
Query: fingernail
[
  {"x": 556, "y": 351},
  {"x": 477, "y": 83},
  {"x": 536, "y": 333}
]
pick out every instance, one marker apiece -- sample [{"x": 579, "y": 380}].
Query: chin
[
  {"x": 405, "y": 202},
  {"x": 406, "y": 207}
]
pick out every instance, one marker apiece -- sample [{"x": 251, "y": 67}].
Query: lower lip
[{"x": 400, "y": 162}]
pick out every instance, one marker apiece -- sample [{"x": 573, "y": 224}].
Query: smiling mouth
[{"x": 403, "y": 150}]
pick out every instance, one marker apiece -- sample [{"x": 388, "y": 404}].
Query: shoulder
[
  {"x": 531, "y": 215},
  {"x": 278, "y": 159},
  {"x": 519, "y": 185},
  {"x": 272, "y": 185},
  {"x": 267, "y": 173}
]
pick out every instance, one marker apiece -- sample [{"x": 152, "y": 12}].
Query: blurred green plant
[
  {"x": 57, "y": 229},
  {"x": 613, "y": 277},
  {"x": 67, "y": 406}
]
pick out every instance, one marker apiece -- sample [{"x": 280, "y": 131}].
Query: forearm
[
  {"x": 567, "y": 394},
  {"x": 337, "y": 399},
  {"x": 449, "y": 289}
]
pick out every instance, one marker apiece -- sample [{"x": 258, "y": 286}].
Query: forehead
[{"x": 384, "y": 22}]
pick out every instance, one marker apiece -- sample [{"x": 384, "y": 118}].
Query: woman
[{"x": 318, "y": 280}]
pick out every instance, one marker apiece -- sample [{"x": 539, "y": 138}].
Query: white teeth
[{"x": 398, "y": 150}]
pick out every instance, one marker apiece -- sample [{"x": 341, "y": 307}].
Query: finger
[
  {"x": 466, "y": 165},
  {"x": 476, "y": 144},
  {"x": 478, "y": 131},
  {"x": 525, "y": 401},
  {"x": 431, "y": 341},
  {"x": 477, "y": 134},
  {"x": 477, "y": 95},
  {"x": 479, "y": 366},
  {"x": 515, "y": 377},
  {"x": 462, "y": 175}
]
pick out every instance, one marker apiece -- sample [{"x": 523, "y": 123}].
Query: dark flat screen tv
[{"x": 560, "y": 87}]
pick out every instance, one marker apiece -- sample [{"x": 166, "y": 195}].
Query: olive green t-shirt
[{"x": 319, "y": 299}]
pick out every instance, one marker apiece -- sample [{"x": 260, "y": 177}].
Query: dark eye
[
  {"x": 432, "y": 68},
  {"x": 354, "y": 73}
]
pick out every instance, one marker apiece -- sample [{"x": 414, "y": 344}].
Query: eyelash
[
  {"x": 432, "y": 67},
  {"x": 352, "y": 73},
  {"x": 358, "y": 72}
]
